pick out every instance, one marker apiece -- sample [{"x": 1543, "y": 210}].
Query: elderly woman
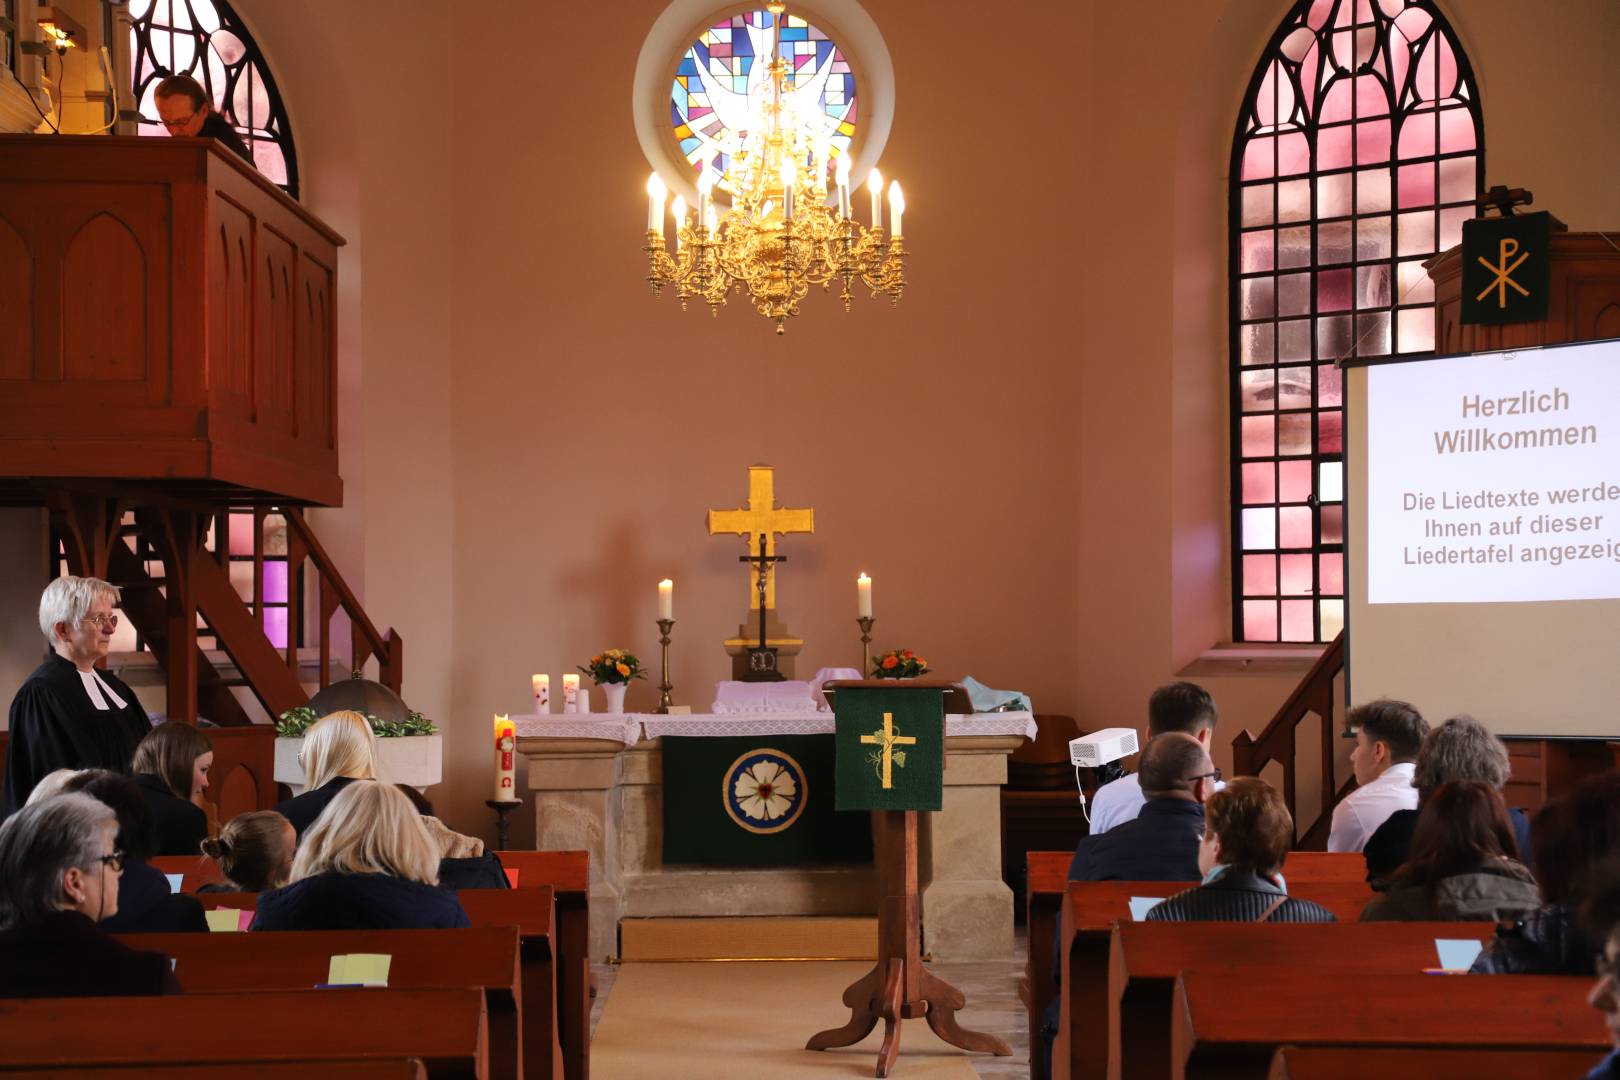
[
  {"x": 1247, "y": 834},
  {"x": 171, "y": 768},
  {"x": 368, "y": 863},
  {"x": 59, "y": 872},
  {"x": 146, "y": 904},
  {"x": 338, "y": 750},
  {"x": 1462, "y": 748},
  {"x": 68, "y": 715}
]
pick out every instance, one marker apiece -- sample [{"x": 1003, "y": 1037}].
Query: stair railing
[{"x": 1313, "y": 695}]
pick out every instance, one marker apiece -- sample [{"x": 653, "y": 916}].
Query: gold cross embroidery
[{"x": 888, "y": 739}]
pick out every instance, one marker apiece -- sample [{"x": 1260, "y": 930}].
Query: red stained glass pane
[
  {"x": 1456, "y": 130},
  {"x": 1372, "y": 141},
  {"x": 1332, "y": 618},
  {"x": 267, "y": 156},
  {"x": 1415, "y": 233},
  {"x": 1330, "y": 432},
  {"x": 1258, "y": 298},
  {"x": 1294, "y": 388},
  {"x": 1333, "y": 195},
  {"x": 241, "y": 534},
  {"x": 1331, "y": 574},
  {"x": 1259, "y": 575},
  {"x": 1333, "y": 524},
  {"x": 1297, "y": 621},
  {"x": 1294, "y": 341},
  {"x": 1258, "y": 340},
  {"x": 1333, "y": 242},
  {"x": 1419, "y": 136},
  {"x": 1372, "y": 238},
  {"x": 1295, "y": 481},
  {"x": 1295, "y": 249},
  {"x": 1259, "y": 482},
  {"x": 1333, "y": 340},
  {"x": 1259, "y": 389},
  {"x": 1297, "y": 579},
  {"x": 1333, "y": 148},
  {"x": 1258, "y": 251},
  {"x": 1259, "y": 529},
  {"x": 1259, "y": 620},
  {"x": 1457, "y": 182},
  {"x": 1338, "y": 102},
  {"x": 1294, "y": 294},
  {"x": 1373, "y": 286},
  {"x": 1451, "y": 226},
  {"x": 1417, "y": 185},
  {"x": 1259, "y": 436},
  {"x": 1258, "y": 157},
  {"x": 275, "y": 626},
  {"x": 1372, "y": 334},
  {"x": 1417, "y": 330},
  {"x": 1333, "y": 290},
  {"x": 1372, "y": 191},
  {"x": 1294, "y": 200},
  {"x": 1294, "y": 433},
  {"x": 1329, "y": 386},
  {"x": 1372, "y": 99},
  {"x": 275, "y": 581},
  {"x": 1257, "y": 204},
  {"x": 1296, "y": 529},
  {"x": 1293, "y": 154}
]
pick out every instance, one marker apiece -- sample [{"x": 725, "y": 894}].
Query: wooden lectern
[{"x": 899, "y": 987}]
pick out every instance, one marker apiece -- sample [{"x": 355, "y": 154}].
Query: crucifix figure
[
  {"x": 890, "y": 757},
  {"x": 762, "y": 658}
]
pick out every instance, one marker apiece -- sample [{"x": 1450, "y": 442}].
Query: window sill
[{"x": 1248, "y": 659}]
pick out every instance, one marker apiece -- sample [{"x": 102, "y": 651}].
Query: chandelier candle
[
  {"x": 505, "y": 759},
  {"x": 542, "y": 694},
  {"x": 843, "y": 188},
  {"x": 874, "y": 185},
  {"x": 570, "y": 693},
  {"x": 678, "y": 208},
  {"x": 655, "y": 204},
  {"x": 897, "y": 205}
]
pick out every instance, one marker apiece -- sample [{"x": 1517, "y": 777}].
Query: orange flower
[
  {"x": 890, "y": 663},
  {"x": 906, "y": 654},
  {"x": 623, "y": 669}
]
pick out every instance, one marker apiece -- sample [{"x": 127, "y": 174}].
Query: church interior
[{"x": 809, "y": 527}]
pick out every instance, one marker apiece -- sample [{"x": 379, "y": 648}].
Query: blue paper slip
[
  {"x": 175, "y": 881},
  {"x": 1457, "y": 954},
  {"x": 1141, "y": 905}
]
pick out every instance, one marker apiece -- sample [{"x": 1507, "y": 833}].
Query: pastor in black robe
[{"x": 56, "y": 725}]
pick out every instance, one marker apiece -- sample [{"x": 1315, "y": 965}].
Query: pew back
[
  {"x": 1359, "y": 1063},
  {"x": 405, "y": 1069},
  {"x": 567, "y": 872}
]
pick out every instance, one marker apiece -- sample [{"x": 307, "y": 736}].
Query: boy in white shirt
[
  {"x": 1388, "y": 735},
  {"x": 1179, "y": 706}
]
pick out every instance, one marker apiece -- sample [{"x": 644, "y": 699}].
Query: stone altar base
[{"x": 606, "y": 798}]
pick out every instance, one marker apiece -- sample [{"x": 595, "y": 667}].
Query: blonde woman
[
  {"x": 338, "y": 750},
  {"x": 367, "y": 863},
  {"x": 69, "y": 714}
]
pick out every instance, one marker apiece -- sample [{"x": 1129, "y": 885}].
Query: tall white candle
[
  {"x": 655, "y": 203},
  {"x": 570, "y": 693},
  {"x": 705, "y": 186},
  {"x": 584, "y": 699},
  {"x": 666, "y": 599},
  {"x": 505, "y": 759},
  {"x": 897, "y": 205},
  {"x": 542, "y": 693},
  {"x": 789, "y": 177},
  {"x": 678, "y": 211},
  {"x": 843, "y": 186},
  {"x": 874, "y": 184},
  {"x": 863, "y": 596}
]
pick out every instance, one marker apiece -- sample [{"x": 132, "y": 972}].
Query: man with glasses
[
  {"x": 69, "y": 714},
  {"x": 183, "y": 109}
]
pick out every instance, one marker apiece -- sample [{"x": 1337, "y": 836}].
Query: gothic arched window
[
  {"x": 205, "y": 39},
  {"x": 1358, "y": 155}
]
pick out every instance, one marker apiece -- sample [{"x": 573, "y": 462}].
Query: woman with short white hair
[
  {"x": 68, "y": 714},
  {"x": 59, "y": 874},
  {"x": 339, "y": 749},
  {"x": 368, "y": 863}
]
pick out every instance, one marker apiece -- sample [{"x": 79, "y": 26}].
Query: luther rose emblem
[{"x": 764, "y": 791}]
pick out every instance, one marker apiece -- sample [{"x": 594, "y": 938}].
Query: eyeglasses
[
  {"x": 115, "y": 860},
  {"x": 1214, "y": 775},
  {"x": 176, "y": 125},
  {"x": 105, "y": 622}
]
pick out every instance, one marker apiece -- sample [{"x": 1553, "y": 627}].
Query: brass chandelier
[{"x": 782, "y": 234}]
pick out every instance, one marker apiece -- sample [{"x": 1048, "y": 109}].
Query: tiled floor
[{"x": 992, "y": 991}]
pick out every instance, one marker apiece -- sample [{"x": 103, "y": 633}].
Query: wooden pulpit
[{"x": 891, "y": 759}]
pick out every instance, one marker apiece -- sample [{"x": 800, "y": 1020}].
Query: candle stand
[
  {"x": 503, "y": 827},
  {"x": 664, "y": 685},
  {"x": 865, "y": 623}
]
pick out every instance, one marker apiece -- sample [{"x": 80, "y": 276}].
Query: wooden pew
[
  {"x": 1231, "y": 1027},
  {"x": 1359, "y": 1063},
  {"x": 532, "y": 911},
  {"x": 1146, "y": 957},
  {"x": 195, "y": 870},
  {"x": 1089, "y": 915},
  {"x": 1047, "y": 876},
  {"x": 407, "y": 1069},
  {"x": 569, "y": 875},
  {"x": 444, "y": 1029},
  {"x": 484, "y": 958}
]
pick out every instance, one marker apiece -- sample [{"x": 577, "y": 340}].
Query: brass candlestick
[
  {"x": 865, "y": 623},
  {"x": 664, "y": 687}
]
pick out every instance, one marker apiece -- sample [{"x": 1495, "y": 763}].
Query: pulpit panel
[
  {"x": 230, "y": 361},
  {"x": 1583, "y": 300},
  {"x": 16, "y": 305},
  {"x": 104, "y": 304},
  {"x": 315, "y": 390}
]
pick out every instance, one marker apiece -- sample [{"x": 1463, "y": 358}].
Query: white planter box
[{"x": 417, "y": 760}]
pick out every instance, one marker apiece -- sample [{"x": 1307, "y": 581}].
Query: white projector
[{"x": 1101, "y": 747}]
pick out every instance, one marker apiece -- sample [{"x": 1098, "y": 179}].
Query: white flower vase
[{"x": 613, "y": 696}]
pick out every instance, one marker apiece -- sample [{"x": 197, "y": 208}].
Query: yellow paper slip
[
  {"x": 226, "y": 919},
  {"x": 364, "y": 969}
]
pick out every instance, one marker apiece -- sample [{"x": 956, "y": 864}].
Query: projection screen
[{"x": 1483, "y": 542}]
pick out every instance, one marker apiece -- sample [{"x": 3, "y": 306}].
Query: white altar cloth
[{"x": 629, "y": 728}]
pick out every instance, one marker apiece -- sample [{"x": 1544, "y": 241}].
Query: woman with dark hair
[
  {"x": 1571, "y": 836},
  {"x": 171, "y": 769},
  {"x": 1463, "y": 864},
  {"x": 1247, "y": 834},
  {"x": 146, "y": 904}
]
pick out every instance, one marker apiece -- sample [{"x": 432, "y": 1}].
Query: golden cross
[
  {"x": 888, "y": 740},
  {"x": 762, "y": 517}
]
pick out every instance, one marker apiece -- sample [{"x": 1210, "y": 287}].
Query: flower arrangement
[
  {"x": 295, "y": 723},
  {"x": 899, "y": 664},
  {"x": 614, "y": 666}
]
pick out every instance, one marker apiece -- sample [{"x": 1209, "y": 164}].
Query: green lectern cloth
[
  {"x": 891, "y": 747},
  {"x": 757, "y": 800}
]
